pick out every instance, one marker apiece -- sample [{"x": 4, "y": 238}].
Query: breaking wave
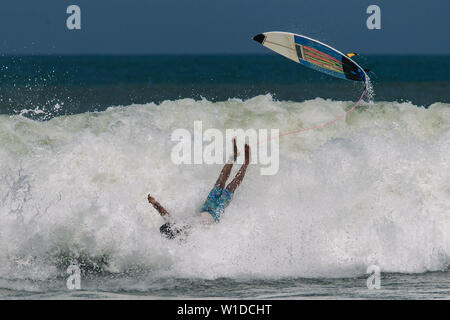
[{"x": 371, "y": 189}]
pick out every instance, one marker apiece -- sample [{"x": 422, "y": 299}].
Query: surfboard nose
[{"x": 259, "y": 38}]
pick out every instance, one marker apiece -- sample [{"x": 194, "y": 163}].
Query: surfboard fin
[{"x": 351, "y": 54}]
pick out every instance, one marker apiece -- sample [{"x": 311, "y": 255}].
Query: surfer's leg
[
  {"x": 241, "y": 173},
  {"x": 225, "y": 173},
  {"x": 162, "y": 211},
  {"x": 225, "y": 198}
]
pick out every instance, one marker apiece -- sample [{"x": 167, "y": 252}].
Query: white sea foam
[{"x": 371, "y": 189}]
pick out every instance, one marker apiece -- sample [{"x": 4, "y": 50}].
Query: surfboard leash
[{"x": 324, "y": 124}]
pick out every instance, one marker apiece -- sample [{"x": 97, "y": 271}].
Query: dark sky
[{"x": 220, "y": 26}]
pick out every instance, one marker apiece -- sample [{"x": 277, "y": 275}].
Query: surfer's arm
[{"x": 162, "y": 211}]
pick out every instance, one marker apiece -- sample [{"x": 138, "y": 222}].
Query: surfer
[{"x": 216, "y": 202}]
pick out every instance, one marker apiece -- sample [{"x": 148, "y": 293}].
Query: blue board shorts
[{"x": 218, "y": 199}]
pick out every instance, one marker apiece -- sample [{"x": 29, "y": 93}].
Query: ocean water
[{"x": 85, "y": 139}]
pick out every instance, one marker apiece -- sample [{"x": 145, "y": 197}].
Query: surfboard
[{"x": 312, "y": 54}]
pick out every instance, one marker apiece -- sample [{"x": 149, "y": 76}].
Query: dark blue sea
[{"x": 94, "y": 83}]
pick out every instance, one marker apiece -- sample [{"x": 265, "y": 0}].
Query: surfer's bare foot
[{"x": 241, "y": 173}]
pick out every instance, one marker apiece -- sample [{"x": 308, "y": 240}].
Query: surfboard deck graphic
[{"x": 312, "y": 54}]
